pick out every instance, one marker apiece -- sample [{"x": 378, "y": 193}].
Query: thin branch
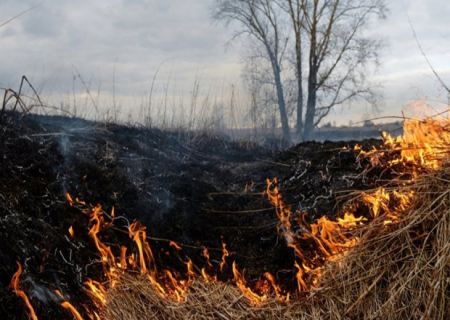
[
  {"x": 23, "y": 12},
  {"x": 425, "y": 56}
]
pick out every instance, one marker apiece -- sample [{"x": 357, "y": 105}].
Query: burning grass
[
  {"x": 396, "y": 266},
  {"x": 402, "y": 270},
  {"x": 385, "y": 254},
  {"x": 396, "y": 271}
]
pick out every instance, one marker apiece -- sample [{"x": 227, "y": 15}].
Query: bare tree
[
  {"x": 260, "y": 20},
  {"x": 339, "y": 54},
  {"x": 327, "y": 35},
  {"x": 294, "y": 9}
]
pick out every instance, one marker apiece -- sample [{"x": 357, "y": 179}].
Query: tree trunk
[
  {"x": 280, "y": 97},
  {"x": 298, "y": 54},
  {"x": 310, "y": 112},
  {"x": 297, "y": 24},
  {"x": 299, "y": 126},
  {"x": 282, "y": 107},
  {"x": 312, "y": 79},
  {"x": 312, "y": 97}
]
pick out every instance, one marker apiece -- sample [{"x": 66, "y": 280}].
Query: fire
[
  {"x": 422, "y": 147},
  {"x": 67, "y": 305},
  {"x": 276, "y": 288},
  {"x": 97, "y": 221},
  {"x": 175, "y": 245},
  {"x": 123, "y": 258},
  {"x": 71, "y": 231},
  {"x": 166, "y": 283},
  {"x": 208, "y": 278},
  {"x": 15, "y": 285},
  {"x": 350, "y": 220},
  {"x": 424, "y": 142},
  {"x": 379, "y": 201},
  {"x": 74, "y": 311},
  {"x": 327, "y": 235},
  {"x": 224, "y": 256},
  {"x": 138, "y": 234},
  {"x": 239, "y": 279},
  {"x": 327, "y": 239},
  {"x": 69, "y": 199}
]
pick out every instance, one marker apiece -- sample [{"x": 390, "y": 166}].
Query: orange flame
[
  {"x": 206, "y": 255},
  {"x": 123, "y": 258},
  {"x": 224, "y": 255},
  {"x": 208, "y": 278},
  {"x": 239, "y": 279},
  {"x": 71, "y": 231},
  {"x": 327, "y": 235},
  {"x": 98, "y": 222},
  {"x": 173, "y": 244},
  {"x": 97, "y": 290},
  {"x": 74, "y": 311},
  {"x": 67, "y": 305},
  {"x": 69, "y": 199},
  {"x": 15, "y": 285},
  {"x": 138, "y": 234},
  {"x": 424, "y": 143},
  {"x": 276, "y": 288}
]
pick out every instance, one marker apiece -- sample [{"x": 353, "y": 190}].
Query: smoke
[{"x": 41, "y": 293}]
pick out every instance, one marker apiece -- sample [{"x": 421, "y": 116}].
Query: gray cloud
[{"x": 43, "y": 23}]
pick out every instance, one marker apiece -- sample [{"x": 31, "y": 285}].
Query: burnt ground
[{"x": 185, "y": 187}]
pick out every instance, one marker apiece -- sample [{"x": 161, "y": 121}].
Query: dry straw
[{"x": 399, "y": 271}]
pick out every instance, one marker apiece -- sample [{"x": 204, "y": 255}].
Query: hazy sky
[{"x": 125, "y": 41}]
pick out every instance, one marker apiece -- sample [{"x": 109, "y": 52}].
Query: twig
[
  {"x": 87, "y": 89},
  {"x": 425, "y": 56},
  {"x": 23, "y": 12}
]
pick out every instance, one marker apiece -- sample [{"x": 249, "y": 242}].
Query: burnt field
[{"x": 192, "y": 191}]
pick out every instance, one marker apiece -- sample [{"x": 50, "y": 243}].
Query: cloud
[
  {"x": 8, "y": 32},
  {"x": 93, "y": 35},
  {"x": 132, "y": 38},
  {"x": 44, "y": 22}
]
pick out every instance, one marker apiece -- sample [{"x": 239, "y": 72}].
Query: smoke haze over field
[{"x": 117, "y": 47}]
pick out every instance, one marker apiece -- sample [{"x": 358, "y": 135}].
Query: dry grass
[
  {"x": 399, "y": 271},
  {"x": 135, "y": 298}
]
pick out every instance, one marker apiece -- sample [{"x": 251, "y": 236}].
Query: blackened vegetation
[{"x": 195, "y": 189}]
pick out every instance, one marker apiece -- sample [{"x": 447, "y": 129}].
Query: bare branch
[
  {"x": 23, "y": 12},
  {"x": 443, "y": 84}
]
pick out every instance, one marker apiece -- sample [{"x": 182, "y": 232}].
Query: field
[{"x": 208, "y": 213}]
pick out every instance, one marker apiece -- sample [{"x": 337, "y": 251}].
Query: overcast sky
[{"x": 125, "y": 41}]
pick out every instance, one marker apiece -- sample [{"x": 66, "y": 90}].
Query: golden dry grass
[{"x": 400, "y": 271}]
